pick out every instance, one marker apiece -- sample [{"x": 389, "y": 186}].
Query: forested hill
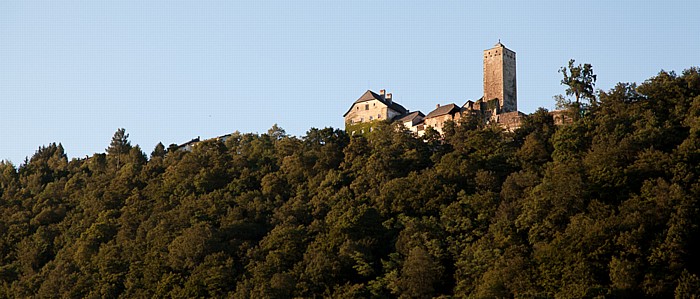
[{"x": 605, "y": 206}]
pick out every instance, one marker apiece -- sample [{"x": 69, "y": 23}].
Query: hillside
[{"x": 605, "y": 206}]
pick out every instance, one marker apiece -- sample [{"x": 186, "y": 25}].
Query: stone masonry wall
[
  {"x": 493, "y": 74},
  {"x": 500, "y": 77},
  {"x": 438, "y": 122},
  {"x": 366, "y": 112},
  {"x": 510, "y": 94}
]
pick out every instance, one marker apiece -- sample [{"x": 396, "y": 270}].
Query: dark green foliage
[
  {"x": 580, "y": 81},
  {"x": 606, "y": 206}
]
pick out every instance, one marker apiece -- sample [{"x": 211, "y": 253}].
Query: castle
[{"x": 499, "y": 103}]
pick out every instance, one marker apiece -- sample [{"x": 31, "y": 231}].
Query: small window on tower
[{"x": 367, "y": 107}]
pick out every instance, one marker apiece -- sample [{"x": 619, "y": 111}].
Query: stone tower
[{"x": 499, "y": 77}]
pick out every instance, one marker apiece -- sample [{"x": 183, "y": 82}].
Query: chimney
[
  {"x": 388, "y": 97},
  {"x": 382, "y": 92},
  {"x": 437, "y": 106}
]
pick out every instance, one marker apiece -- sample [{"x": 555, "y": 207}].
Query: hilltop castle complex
[{"x": 499, "y": 103}]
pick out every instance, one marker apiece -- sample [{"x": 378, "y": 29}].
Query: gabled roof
[
  {"x": 370, "y": 95},
  {"x": 411, "y": 116},
  {"x": 398, "y": 108},
  {"x": 442, "y": 110}
]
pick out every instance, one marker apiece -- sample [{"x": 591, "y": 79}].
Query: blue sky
[{"x": 168, "y": 71}]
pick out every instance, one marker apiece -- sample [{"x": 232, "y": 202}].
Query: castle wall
[
  {"x": 411, "y": 126},
  {"x": 561, "y": 117},
  {"x": 509, "y": 120},
  {"x": 438, "y": 122},
  {"x": 368, "y": 111}
]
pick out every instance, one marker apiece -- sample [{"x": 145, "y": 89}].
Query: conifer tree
[{"x": 120, "y": 145}]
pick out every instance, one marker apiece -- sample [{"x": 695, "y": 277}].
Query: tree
[
  {"x": 605, "y": 206},
  {"x": 277, "y": 132},
  {"x": 419, "y": 274},
  {"x": 120, "y": 143},
  {"x": 119, "y": 146},
  {"x": 158, "y": 151},
  {"x": 580, "y": 81},
  {"x": 561, "y": 102}
]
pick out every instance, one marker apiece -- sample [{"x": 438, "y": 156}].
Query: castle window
[
  {"x": 379, "y": 116},
  {"x": 371, "y": 118}
]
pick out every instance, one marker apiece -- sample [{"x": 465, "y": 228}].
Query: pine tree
[{"x": 119, "y": 146}]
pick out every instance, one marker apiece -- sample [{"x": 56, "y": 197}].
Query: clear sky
[{"x": 169, "y": 71}]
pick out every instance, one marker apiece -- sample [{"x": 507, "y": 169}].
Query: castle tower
[{"x": 499, "y": 77}]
